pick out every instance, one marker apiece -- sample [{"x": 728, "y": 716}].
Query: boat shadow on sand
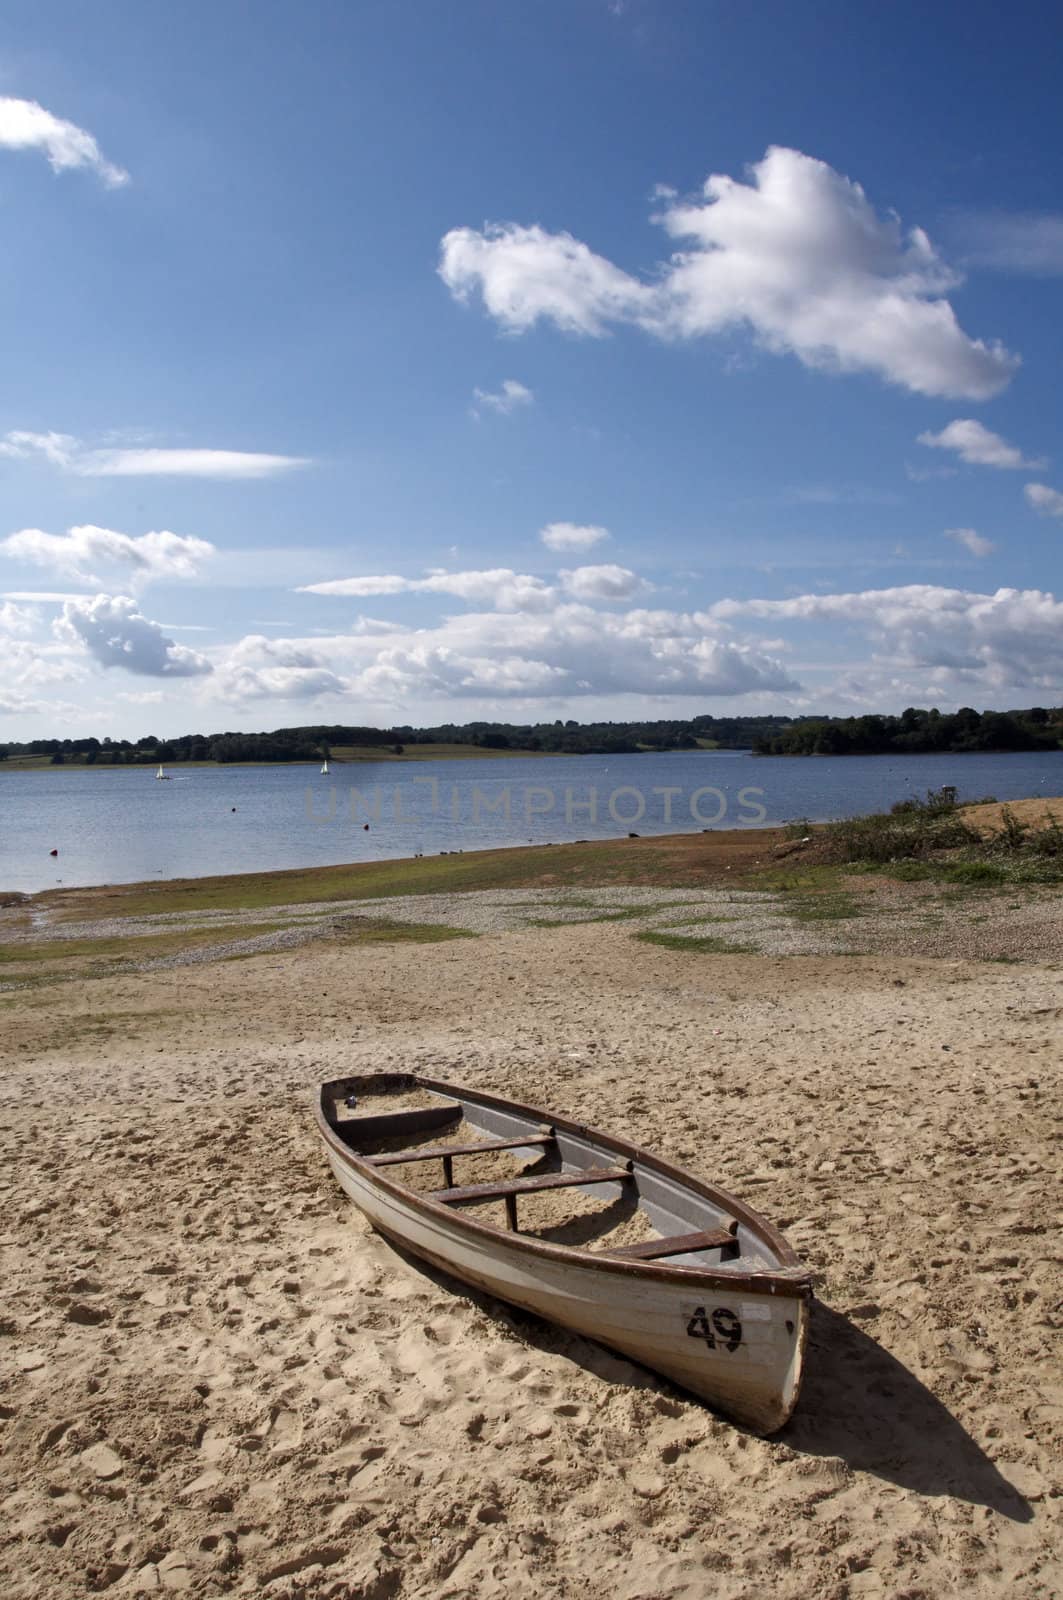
[
  {"x": 858, "y": 1403},
  {"x": 862, "y": 1405}
]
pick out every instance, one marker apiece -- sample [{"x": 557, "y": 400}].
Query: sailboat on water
[
  {"x": 161, "y": 776},
  {"x": 324, "y": 768}
]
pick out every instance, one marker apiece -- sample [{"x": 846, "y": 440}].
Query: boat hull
[{"x": 738, "y": 1345}]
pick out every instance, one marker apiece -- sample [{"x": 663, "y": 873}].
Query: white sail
[{"x": 324, "y": 770}]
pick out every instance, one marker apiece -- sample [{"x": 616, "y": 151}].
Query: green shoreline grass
[
  {"x": 665, "y": 861},
  {"x": 922, "y": 840},
  {"x": 44, "y": 961}
]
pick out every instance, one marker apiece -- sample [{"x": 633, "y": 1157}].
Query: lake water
[{"x": 118, "y": 825}]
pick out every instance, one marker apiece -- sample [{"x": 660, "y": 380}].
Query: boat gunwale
[{"x": 782, "y": 1279}]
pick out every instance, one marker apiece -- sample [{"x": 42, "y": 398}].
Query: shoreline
[
  {"x": 730, "y": 849},
  {"x": 706, "y": 856}
]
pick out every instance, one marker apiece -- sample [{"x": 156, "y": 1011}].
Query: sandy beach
[{"x": 217, "y": 1380}]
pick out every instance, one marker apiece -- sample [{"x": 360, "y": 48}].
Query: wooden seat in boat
[
  {"x": 447, "y": 1152},
  {"x": 509, "y": 1189},
  {"x": 679, "y": 1244}
]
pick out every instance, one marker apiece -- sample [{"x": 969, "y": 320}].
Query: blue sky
[{"x": 401, "y": 362}]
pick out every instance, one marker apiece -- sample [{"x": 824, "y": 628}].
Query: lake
[{"x": 119, "y": 825}]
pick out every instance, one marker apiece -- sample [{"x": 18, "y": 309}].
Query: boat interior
[{"x": 554, "y": 1181}]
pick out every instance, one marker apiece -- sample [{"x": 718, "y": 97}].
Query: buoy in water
[
  {"x": 365, "y": 827},
  {"x": 53, "y": 852}
]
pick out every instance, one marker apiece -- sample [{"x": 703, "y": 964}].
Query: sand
[{"x": 217, "y": 1381}]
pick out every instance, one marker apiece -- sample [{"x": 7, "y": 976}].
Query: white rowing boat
[{"x": 717, "y": 1301}]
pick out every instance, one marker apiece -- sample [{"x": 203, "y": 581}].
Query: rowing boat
[{"x": 716, "y": 1299}]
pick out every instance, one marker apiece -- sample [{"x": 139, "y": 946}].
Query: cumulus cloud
[
  {"x": 972, "y": 541},
  {"x": 438, "y": 672},
  {"x": 524, "y": 273},
  {"x": 16, "y": 619},
  {"x": 511, "y": 395},
  {"x": 498, "y": 587},
  {"x": 25, "y": 125},
  {"x": 33, "y": 664},
  {"x": 70, "y": 454},
  {"x": 607, "y": 582},
  {"x": 572, "y": 649},
  {"x": 797, "y": 254},
  {"x": 572, "y": 535},
  {"x": 978, "y": 446},
  {"x": 115, "y": 634},
  {"x": 1049, "y": 502},
  {"x": 1012, "y": 638},
  {"x": 76, "y": 553},
  {"x": 258, "y": 668}
]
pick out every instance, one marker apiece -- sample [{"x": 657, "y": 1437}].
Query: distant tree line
[
  {"x": 601, "y": 738},
  {"x": 917, "y": 732},
  {"x": 913, "y": 732}
]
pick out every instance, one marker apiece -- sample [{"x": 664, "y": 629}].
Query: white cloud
[
  {"x": 362, "y": 588},
  {"x": 570, "y": 650},
  {"x": 572, "y": 535},
  {"x": 25, "y": 125},
  {"x": 239, "y": 464},
  {"x": 68, "y": 453},
  {"x": 607, "y": 582},
  {"x": 44, "y": 596},
  {"x": 1049, "y": 502},
  {"x": 16, "y": 619},
  {"x": 116, "y": 634},
  {"x": 505, "y": 400},
  {"x": 1012, "y": 638},
  {"x": 144, "y": 556},
  {"x": 281, "y": 683},
  {"x": 499, "y": 587},
  {"x": 798, "y": 254},
  {"x": 972, "y": 541},
  {"x": 527, "y": 273},
  {"x": 58, "y": 448},
  {"x": 260, "y": 668},
  {"x": 377, "y": 626},
  {"x": 978, "y": 446},
  {"x": 439, "y": 672}
]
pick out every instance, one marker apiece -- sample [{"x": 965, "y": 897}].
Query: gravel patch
[{"x": 910, "y": 920}]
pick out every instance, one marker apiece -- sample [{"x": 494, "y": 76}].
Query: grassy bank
[
  {"x": 935, "y": 838},
  {"x": 932, "y": 838},
  {"x": 701, "y": 860}
]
